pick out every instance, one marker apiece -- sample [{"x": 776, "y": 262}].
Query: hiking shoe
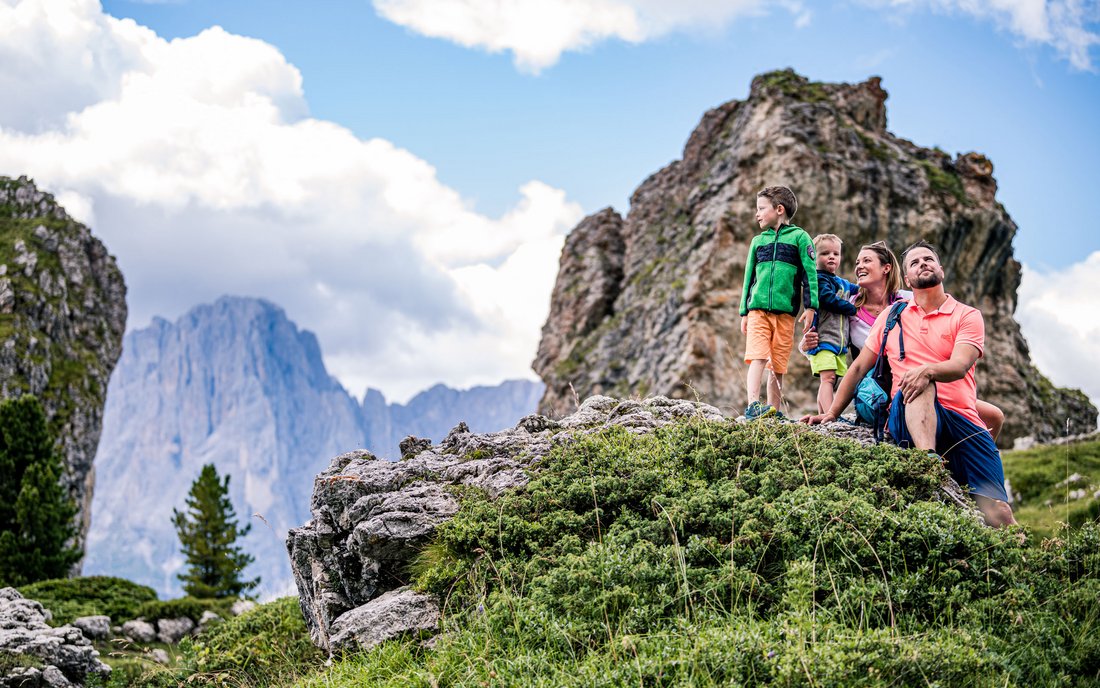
[{"x": 757, "y": 410}]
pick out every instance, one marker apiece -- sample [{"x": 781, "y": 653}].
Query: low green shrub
[
  {"x": 268, "y": 646},
  {"x": 710, "y": 554},
  {"x": 69, "y": 598},
  {"x": 191, "y": 607}
]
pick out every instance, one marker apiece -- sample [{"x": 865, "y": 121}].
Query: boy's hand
[
  {"x": 744, "y": 325},
  {"x": 807, "y": 319},
  {"x": 818, "y": 419}
]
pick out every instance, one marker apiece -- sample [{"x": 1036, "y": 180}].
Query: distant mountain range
[{"x": 237, "y": 384}]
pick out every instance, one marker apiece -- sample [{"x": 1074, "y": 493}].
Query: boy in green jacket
[{"x": 781, "y": 268}]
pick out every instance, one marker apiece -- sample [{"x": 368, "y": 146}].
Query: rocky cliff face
[
  {"x": 237, "y": 384},
  {"x": 62, "y": 315},
  {"x": 648, "y": 304}
]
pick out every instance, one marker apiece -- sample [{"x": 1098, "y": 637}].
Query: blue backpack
[{"x": 872, "y": 402}]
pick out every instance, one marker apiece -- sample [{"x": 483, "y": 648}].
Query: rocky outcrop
[
  {"x": 370, "y": 517},
  {"x": 63, "y": 654},
  {"x": 236, "y": 383},
  {"x": 648, "y": 304},
  {"x": 62, "y": 315}
]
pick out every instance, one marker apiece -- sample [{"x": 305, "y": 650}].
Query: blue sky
[{"x": 187, "y": 155}]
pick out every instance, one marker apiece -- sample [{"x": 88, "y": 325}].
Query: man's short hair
[
  {"x": 921, "y": 244},
  {"x": 827, "y": 237},
  {"x": 781, "y": 196}
]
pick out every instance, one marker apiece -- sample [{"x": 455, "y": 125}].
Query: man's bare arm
[{"x": 963, "y": 358}]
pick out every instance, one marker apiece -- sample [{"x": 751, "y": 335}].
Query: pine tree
[
  {"x": 208, "y": 532},
  {"x": 36, "y": 514}
]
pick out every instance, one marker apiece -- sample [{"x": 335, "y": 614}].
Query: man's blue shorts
[{"x": 971, "y": 455}]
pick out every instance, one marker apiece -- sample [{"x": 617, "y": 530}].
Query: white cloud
[
  {"x": 537, "y": 32},
  {"x": 1060, "y": 317},
  {"x": 1068, "y": 26},
  {"x": 198, "y": 164}
]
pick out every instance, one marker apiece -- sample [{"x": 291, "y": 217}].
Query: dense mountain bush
[
  {"x": 717, "y": 554},
  {"x": 69, "y": 598}
]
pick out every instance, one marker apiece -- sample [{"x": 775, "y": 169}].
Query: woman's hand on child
[{"x": 809, "y": 340}]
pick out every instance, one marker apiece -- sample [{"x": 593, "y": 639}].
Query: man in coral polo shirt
[{"x": 935, "y": 396}]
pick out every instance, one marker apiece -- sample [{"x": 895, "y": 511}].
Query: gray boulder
[
  {"x": 94, "y": 627},
  {"x": 370, "y": 517},
  {"x": 160, "y": 656},
  {"x": 241, "y": 607},
  {"x": 396, "y": 613},
  {"x": 208, "y": 618},
  {"x": 67, "y": 657},
  {"x": 139, "y": 631},
  {"x": 171, "y": 631}
]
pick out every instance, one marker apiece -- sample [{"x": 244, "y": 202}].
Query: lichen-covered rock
[
  {"x": 94, "y": 627},
  {"x": 67, "y": 656},
  {"x": 370, "y": 517},
  {"x": 139, "y": 631},
  {"x": 392, "y": 615},
  {"x": 648, "y": 304},
  {"x": 171, "y": 631},
  {"x": 62, "y": 316}
]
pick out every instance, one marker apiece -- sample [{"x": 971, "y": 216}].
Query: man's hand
[
  {"x": 807, "y": 318},
  {"x": 744, "y": 325},
  {"x": 914, "y": 382},
  {"x": 809, "y": 340},
  {"x": 819, "y": 419}
]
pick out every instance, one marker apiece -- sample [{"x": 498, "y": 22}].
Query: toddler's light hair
[{"x": 827, "y": 237}]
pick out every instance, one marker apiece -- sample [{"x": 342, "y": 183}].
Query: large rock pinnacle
[{"x": 648, "y": 304}]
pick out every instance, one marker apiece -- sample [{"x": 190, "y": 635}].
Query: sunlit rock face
[
  {"x": 648, "y": 303},
  {"x": 62, "y": 315}
]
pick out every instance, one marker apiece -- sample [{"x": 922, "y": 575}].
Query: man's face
[{"x": 922, "y": 269}]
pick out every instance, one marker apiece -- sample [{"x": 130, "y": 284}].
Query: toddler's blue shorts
[{"x": 969, "y": 450}]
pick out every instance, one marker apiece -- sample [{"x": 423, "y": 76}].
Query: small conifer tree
[
  {"x": 208, "y": 533},
  {"x": 36, "y": 513}
]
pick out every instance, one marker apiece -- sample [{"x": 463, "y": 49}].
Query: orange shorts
[{"x": 771, "y": 338}]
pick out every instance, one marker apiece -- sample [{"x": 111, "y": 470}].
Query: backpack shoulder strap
[{"x": 891, "y": 319}]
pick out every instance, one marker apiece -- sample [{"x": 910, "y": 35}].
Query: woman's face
[{"x": 869, "y": 270}]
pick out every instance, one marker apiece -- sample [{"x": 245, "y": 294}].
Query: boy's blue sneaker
[{"x": 757, "y": 410}]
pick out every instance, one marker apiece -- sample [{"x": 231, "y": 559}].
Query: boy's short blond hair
[
  {"x": 827, "y": 237},
  {"x": 780, "y": 195}
]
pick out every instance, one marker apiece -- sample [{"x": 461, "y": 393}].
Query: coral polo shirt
[{"x": 930, "y": 338}]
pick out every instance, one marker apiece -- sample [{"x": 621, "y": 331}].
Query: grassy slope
[
  {"x": 1039, "y": 475},
  {"x": 711, "y": 554}
]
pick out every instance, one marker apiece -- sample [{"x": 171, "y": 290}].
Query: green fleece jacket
[{"x": 781, "y": 268}]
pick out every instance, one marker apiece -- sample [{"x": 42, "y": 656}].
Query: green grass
[
  {"x": 1036, "y": 474},
  {"x": 710, "y": 554},
  {"x": 265, "y": 647},
  {"x": 942, "y": 181}
]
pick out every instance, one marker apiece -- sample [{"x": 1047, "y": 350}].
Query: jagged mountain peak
[{"x": 238, "y": 384}]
